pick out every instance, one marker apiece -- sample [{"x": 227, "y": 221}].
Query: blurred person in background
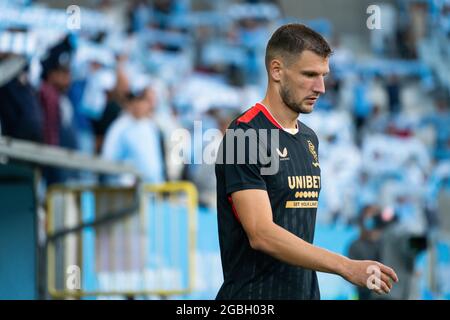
[
  {"x": 202, "y": 175},
  {"x": 383, "y": 237},
  {"x": 57, "y": 110},
  {"x": 439, "y": 120},
  {"x": 377, "y": 122},
  {"x": 20, "y": 111},
  {"x": 362, "y": 106},
  {"x": 115, "y": 99},
  {"x": 393, "y": 91},
  {"x": 399, "y": 248},
  {"x": 58, "y": 113},
  {"x": 367, "y": 246},
  {"x": 139, "y": 13},
  {"x": 135, "y": 137}
]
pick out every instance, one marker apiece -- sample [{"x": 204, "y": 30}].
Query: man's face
[
  {"x": 139, "y": 108},
  {"x": 61, "y": 79},
  {"x": 302, "y": 81},
  {"x": 144, "y": 106}
]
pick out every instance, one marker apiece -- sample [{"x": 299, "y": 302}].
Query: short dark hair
[{"x": 293, "y": 39}]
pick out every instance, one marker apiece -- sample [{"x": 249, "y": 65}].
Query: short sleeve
[{"x": 239, "y": 174}]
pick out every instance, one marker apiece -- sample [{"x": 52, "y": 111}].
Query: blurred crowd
[{"x": 121, "y": 88}]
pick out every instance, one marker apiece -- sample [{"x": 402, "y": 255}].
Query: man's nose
[{"x": 319, "y": 85}]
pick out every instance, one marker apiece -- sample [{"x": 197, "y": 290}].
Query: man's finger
[
  {"x": 385, "y": 278},
  {"x": 385, "y": 287},
  {"x": 389, "y": 271},
  {"x": 378, "y": 291}
]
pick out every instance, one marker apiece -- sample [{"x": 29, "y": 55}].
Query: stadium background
[{"x": 383, "y": 126}]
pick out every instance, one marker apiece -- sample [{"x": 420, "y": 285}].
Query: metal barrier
[{"x": 145, "y": 248}]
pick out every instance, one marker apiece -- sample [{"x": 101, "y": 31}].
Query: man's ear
[{"x": 275, "y": 69}]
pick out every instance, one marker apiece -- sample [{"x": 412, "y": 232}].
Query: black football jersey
[{"x": 293, "y": 186}]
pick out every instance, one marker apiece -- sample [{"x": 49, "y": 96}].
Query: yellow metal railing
[{"x": 183, "y": 193}]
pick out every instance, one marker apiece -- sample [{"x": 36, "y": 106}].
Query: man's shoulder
[
  {"x": 250, "y": 118},
  {"x": 243, "y": 126},
  {"x": 242, "y": 132}
]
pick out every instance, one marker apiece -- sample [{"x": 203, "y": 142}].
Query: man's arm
[{"x": 255, "y": 213}]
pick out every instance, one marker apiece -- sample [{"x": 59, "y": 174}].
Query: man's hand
[{"x": 370, "y": 274}]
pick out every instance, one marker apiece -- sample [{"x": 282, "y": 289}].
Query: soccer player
[{"x": 267, "y": 199}]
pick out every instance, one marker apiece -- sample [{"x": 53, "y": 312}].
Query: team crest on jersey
[{"x": 314, "y": 154}]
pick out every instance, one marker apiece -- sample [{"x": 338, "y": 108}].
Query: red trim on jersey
[
  {"x": 234, "y": 209},
  {"x": 268, "y": 115},
  {"x": 249, "y": 115},
  {"x": 257, "y": 108}
]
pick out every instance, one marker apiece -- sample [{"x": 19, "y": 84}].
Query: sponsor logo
[
  {"x": 301, "y": 204},
  {"x": 282, "y": 154},
  {"x": 304, "y": 182}
]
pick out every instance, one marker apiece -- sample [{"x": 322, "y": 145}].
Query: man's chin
[
  {"x": 307, "y": 107},
  {"x": 304, "y": 107}
]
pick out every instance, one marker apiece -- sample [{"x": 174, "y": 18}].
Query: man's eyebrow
[
  {"x": 312, "y": 72},
  {"x": 309, "y": 72}
]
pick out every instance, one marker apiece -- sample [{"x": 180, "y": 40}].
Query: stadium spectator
[
  {"x": 367, "y": 246},
  {"x": 57, "y": 110},
  {"x": 136, "y": 138},
  {"x": 20, "y": 111}
]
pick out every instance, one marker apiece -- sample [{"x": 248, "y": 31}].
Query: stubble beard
[{"x": 288, "y": 99}]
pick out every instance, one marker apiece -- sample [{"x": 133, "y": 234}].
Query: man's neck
[{"x": 285, "y": 116}]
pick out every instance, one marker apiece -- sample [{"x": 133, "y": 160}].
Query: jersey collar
[{"x": 261, "y": 107}]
